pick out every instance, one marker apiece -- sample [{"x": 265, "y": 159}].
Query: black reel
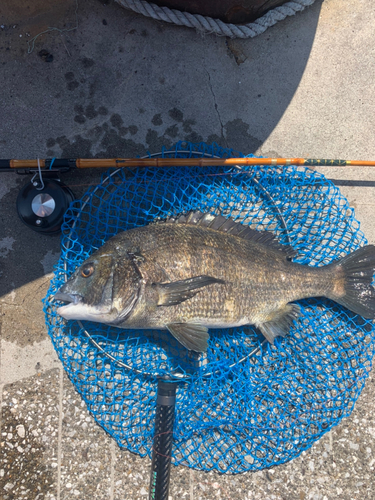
[{"x": 42, "y": 203}]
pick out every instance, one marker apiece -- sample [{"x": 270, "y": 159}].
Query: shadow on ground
[{"x": 113, "y": 83}]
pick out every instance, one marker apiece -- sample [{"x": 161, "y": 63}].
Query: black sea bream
[{"x": 201, "y": 271}]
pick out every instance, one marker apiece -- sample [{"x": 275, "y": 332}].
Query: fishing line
[
  {"x": 40, "y": 178},
  {"x": 31, "y": 43}
]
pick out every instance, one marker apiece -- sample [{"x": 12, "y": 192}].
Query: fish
[{"x": 198, "y": 271}]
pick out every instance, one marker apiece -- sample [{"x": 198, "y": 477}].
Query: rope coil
[{"x": 208, "y": 25}]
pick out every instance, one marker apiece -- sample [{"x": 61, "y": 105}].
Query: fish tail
[{"x": 352, "y": 286}]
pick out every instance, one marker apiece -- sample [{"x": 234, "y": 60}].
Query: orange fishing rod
[
  {"x": 81, "y": 163},
  {"x": 41, "y": 203}
]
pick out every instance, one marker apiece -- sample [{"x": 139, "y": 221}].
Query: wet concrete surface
[{"x": 131, "y": 85}]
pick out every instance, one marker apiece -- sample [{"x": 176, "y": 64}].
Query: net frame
[{"x": 266, "y": 403}]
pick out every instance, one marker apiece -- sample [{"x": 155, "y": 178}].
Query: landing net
[{"x": 244, "y": 405}]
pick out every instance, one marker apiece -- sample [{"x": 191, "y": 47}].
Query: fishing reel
[{"x": 42, "y": 203}]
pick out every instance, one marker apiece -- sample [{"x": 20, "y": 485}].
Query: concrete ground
[{"x": 113, "y": 83}]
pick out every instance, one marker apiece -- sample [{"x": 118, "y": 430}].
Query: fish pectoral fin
[
  {"x": 191, "y": 335},
  {"x": 280, "y": 322},
  {"x": 172, "y": 294}
]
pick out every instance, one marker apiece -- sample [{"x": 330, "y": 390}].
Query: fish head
[{"x": 104, "y": 289}]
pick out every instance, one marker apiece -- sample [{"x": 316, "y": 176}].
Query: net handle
[{"x": 163, "y": 440}]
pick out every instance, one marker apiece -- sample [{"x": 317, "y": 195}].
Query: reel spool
[{"x": 42, "y": 203}]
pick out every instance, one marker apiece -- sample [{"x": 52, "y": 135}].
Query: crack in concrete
[{"x": 217, "y": 109}]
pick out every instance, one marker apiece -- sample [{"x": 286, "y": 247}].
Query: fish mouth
[
  {"x": 74, "y": 308},
  {"x": 70, "y": 298},
  {"x": 71, "y": 301}
]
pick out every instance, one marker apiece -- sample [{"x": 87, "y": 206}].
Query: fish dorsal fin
[{"x": 228, "y": 225}]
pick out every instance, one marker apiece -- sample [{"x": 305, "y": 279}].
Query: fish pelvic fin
[
  {"x": 352, "y": 287},
  {"x": 172, "y": 294},
  {"x": 192, "y": 336},
  {"x": 279, "y": 322}
]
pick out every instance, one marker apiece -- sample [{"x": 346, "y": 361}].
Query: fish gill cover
[{"x": 245, "y": 404}]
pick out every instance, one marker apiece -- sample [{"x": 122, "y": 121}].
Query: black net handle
[{"x": 163, "y": 439}]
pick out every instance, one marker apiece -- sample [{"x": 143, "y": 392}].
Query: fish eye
[{"x": 87, "y": 270}]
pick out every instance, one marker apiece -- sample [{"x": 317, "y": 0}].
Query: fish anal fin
[
  {"x": 171, "y": 294},
  {"x": 192, "y": 336},
  {"x": 279, "y": 322}
]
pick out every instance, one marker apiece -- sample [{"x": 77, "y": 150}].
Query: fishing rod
[
  {"x": 83, "y": 163},
  {"x": 42, "y": 203}
]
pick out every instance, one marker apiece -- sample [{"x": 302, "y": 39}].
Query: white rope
[{"x": 205, "y": 24}]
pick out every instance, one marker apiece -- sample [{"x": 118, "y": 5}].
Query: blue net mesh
[{"x": 245, "y": 404}]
